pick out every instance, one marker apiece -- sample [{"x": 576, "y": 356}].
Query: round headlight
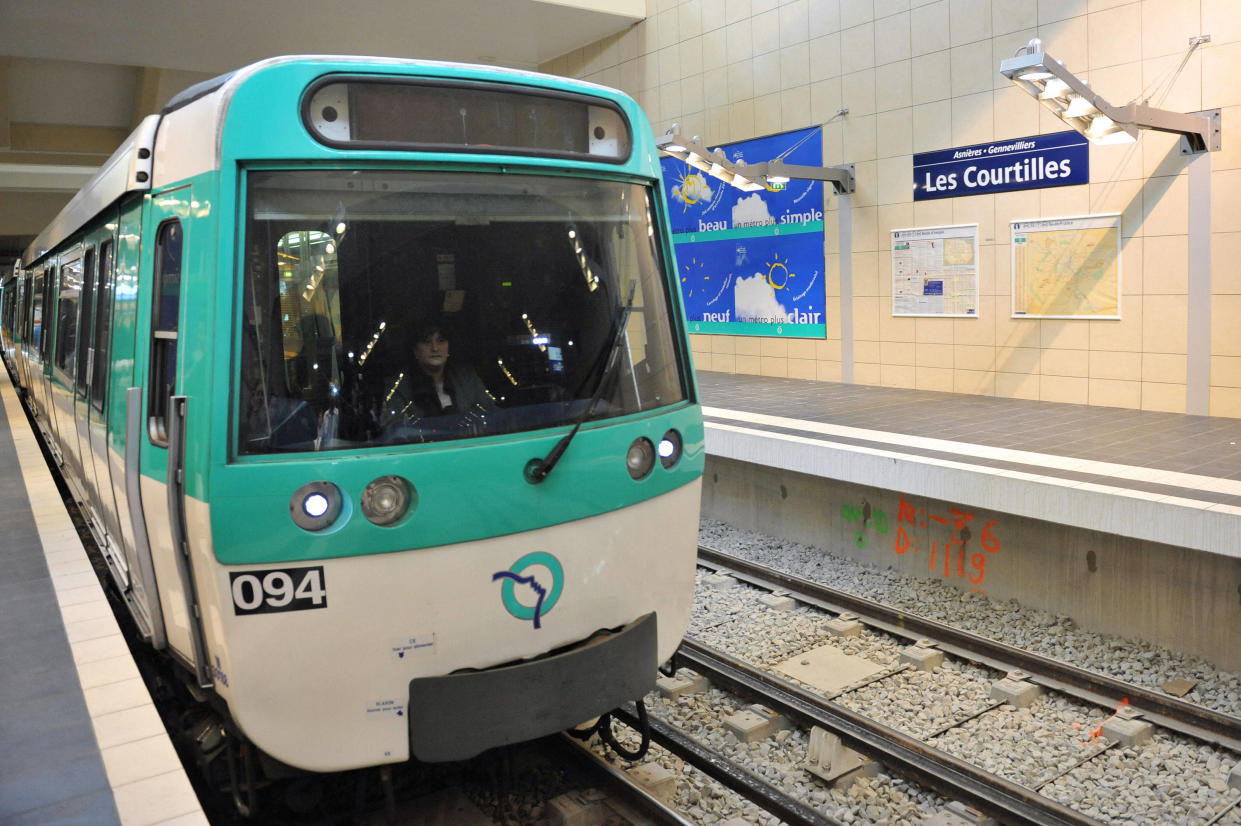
[
  {"x": 316, "y": 505},
  {"x": 670, "y": 449},
  {"x": 640, "y": 458},
  {"x": 386, "y": 500}
]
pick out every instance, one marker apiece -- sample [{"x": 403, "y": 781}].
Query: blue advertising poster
[
  {"x": 1037, "y": 162},
  {"x": 751, "y": 263}
]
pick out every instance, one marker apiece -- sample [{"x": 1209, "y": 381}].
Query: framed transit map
[
  {"x": 935, "y": 271},
  {"x": 1067, "y": 267}
]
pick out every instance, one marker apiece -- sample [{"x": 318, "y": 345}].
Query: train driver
[{"x": 438, "y": 386}]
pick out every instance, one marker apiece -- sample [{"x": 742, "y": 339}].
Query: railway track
[{"x": 1169, "y": 712}]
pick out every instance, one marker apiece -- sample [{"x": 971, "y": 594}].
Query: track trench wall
[{"x": 1186, "y": 600}]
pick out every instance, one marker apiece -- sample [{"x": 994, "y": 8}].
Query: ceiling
[{"x": 77, "y": 75}]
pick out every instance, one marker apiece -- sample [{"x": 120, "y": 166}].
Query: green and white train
[{"x": 213, "y": 336}]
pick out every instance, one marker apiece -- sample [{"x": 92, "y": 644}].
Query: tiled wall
[{"x": 919, "y": 76}]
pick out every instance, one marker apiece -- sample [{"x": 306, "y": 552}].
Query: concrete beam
[
  {"x": 29, "y": 177},
  {"x": 4, "y": 103}
]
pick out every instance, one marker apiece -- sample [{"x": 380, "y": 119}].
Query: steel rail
[
  {"x": 1171, "y": 713},
  {"x": 906, "y": 755},
  {"x": 633, "y": 794},
  {"x": 758, "y": 791}
]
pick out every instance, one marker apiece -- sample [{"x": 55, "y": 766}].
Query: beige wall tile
[
  {"x": 866, "y": 274},
  {"x": 1164, "y": 368},
  {"x": 894, "y": 86},
  {"x": 774, "y": 367},
  {"x": 700, "y": 344},
  {"x": 932, "y": 124},
  {"x": 827, "y": 349},
  {"x": 1114, "y": 393},
  {"x": 795, "y": 109},
  {"x": 722, "y": 344},
  {"x": 857, "y": 48},
  {"x": 894, "y": 136},
  {"x": 1226, "y": 200},
  {"x": 901, "y": 216},
  {"x": 1016, "y": 113},
  {"x": 1169, "y": 398},
  {"x": 802, "y": 348},
  {"x": 807, "y": 369},
  {"x": 978, "y": 331},
  {"x": 933, "y": 330},
  {"x": 969, "y": 21},
  {"x": 929, "y": 71},
  {"x": 1055, "y": 362},
  {"x": 1165, "y": 324},
  {"x": 856, "y": 12},
  {"x": 859, "y": 139},
  {"x": 1167, "y": 27},
  {"x": 1226, "y": 263},
  {"x": 892, "y": 39},
  {"x": 1165, "y": 264},
  {"x": 934, "y": 378},
  {"x": 866, "y": 179},
  {"x": 1065, "y": 200},
  {"x": 934, "y": 355},
  {"x": 901, "y": 353},
  {"x": 1115, "y": 364},
  {"x": 773, "y": 347},
  {"x": 1017, "y": 385},
  {"x": 1067, "y": 40},
  {"x": 829, "y": 370},
  {"x": 1067, "y": 389},
  {"x": 824, "y": 16},
  {"x": 897, "y": 375},
  {"x": 866, "y": 352},
  {"x": 1013, "y": 15},
  {"x": 1226, "y": 371},
  {"x": 1165, "y": 204},
  {"x": 867, "y": 374},
  {"x": 710, "y": 361},
  {"x": 936, "y": 213},
  {"x": 794, "y": 65},
  {"x": 973, "y": 118},
  {"x": 1225, "y": 401},
  {"x": 866, "y": 318},
  {"x": 1226, "y": 325},
  {"x": 748, "y": 345},
  {"x": 858, "y": 92},
  {"x": 981, "y": 382},
  {"x": 715, "y": 49},
  {"x": 1016, "y": 332},
  {"x": 973, "y": 357},
  {"x": 749, "y": 365},
  {"x": 895, "y": 178},
  {"x": 895, "y": 329},
  {"x": 930, "y": 21},
  {"x": 1065, "y": 334},
  {"x": 825, "y": 57},
  {"x": 887, "y": 8},
  {"x": 794, "y": 23},
  {"x": 1132, "y": 271},
  {"x": 1123, "y": 335},
  {"x": 1112, "y": 35}
]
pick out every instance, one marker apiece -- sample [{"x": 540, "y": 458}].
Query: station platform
[
  {"x": 1126, "y": 521},
  {"x": 80, "y": 740},
  {"x": 1162, "y": 477}
]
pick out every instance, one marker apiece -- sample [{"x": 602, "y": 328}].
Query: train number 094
[{"x": 279, "y": 589}]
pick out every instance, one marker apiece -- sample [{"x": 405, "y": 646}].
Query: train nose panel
[{"x": 455, "y": 717}]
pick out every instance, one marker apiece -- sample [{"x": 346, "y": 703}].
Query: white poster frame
[
  {"x": 931, "y": 230},
  {"x": 1114, "y": 219}
]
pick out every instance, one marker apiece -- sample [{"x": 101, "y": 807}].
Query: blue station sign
[{"x": 1060, "y": 159}]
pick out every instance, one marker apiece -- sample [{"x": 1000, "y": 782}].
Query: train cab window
[
  {"x": 546, "y": 292},
  {"x": 103, "y": 325},
  {"x": 164, "y": 320},
  {"x": 68, "y": 298},
  {"x": 84, "y": 339}
]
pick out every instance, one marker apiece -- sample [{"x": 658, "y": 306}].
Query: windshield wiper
[{"x": 538, "y": 469}]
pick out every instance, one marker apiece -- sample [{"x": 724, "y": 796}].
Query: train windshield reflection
[{"x": 389, "y": 307}]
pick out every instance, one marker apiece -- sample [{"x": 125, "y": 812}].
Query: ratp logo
[{"x": 545, "y": 595}]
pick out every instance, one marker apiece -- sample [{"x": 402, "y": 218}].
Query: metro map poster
[{"x": 751, "y": 263}]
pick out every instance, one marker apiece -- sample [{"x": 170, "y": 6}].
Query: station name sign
[{"x": 1060, "y": 159}]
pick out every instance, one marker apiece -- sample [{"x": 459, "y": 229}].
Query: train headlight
[
  {"x": 386, "y": 500},
  {"x": 640, "y": 458},
  {"x": 670, "y": 449},
  {"x": 316, "y": 505}
]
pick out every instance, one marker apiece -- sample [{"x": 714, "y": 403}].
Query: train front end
[{"x": 455, "y": 468}]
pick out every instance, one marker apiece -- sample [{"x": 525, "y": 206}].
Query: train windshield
[{"x": 393, "y": 307}]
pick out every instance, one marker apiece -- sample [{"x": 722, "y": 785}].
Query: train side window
[
  {"x": 164, "y": 312},
  {"x": 84, "y": 328},
  {"x": 68, "y": 298},
  {"x": 103, "y": 327},
  {"x": 49, "y": 292}
]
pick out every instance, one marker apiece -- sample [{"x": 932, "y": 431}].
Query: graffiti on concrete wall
[
  {"x": 957, "y": 553},
  {"x": 868, "y": 517}
]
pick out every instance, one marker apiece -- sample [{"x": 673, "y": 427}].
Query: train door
[
  {"x": 162, "y": 438},
  {"x": 61, "y": 378}
]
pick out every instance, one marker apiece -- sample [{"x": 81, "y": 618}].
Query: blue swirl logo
[{"x": 545, "y": 596}]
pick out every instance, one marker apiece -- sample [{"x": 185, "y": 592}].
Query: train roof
[{"x": 193, "y": 121}]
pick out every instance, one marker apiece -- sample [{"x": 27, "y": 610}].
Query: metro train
[{"x": 214, "y": 336}]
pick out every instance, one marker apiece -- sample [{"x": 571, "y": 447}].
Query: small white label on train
[{"x": 407, "y": 647}]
